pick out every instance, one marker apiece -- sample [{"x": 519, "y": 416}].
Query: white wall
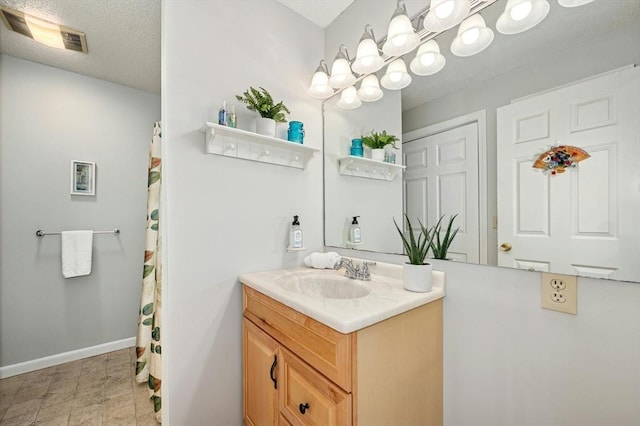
[
  {"x": 49, "y": 117},
  {"x": 509, "y": 362},
  {"x": 225, "y": 216}
]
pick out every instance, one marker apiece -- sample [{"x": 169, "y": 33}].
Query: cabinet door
[
  {"x": 260, "y": 360},
  {"x": 308, "y": 398}
]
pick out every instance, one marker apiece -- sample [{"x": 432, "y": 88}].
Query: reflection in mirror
[{"x": 497, "y": 100}]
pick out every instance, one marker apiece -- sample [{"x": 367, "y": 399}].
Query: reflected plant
[{"x": 440, "y": 243}]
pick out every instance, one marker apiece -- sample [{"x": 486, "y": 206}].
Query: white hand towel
[
  {"x": 322, "y": 260},
  {"x": 76, "y": 253}
]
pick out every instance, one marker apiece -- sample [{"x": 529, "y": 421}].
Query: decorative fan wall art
[{"x": 559, "y": 158}]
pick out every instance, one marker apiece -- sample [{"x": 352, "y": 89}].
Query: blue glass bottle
[{"x": 356, "y": 147}]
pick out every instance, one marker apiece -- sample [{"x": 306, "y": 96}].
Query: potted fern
[
  {"x": 377, "y": 142},
  {"x": 416, "y": 274},
  {"x": 260, "y": 101},
  {"x": 441, "y": 240}
]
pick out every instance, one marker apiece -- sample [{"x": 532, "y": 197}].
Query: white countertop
[{"x": 387, "y": 296}]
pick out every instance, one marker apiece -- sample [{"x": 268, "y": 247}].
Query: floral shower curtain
[{"x": 148, "y": 343}]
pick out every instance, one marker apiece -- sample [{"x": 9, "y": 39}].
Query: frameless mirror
[{"x": 478, "y": 109}]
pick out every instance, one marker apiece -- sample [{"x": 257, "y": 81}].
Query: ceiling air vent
[{"x": 45, "y": 32}]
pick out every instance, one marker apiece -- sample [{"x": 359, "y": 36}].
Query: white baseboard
[{"x": 50, "y": 361}]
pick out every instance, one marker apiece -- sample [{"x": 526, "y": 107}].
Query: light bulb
[
  {"x": 399, "y": 40},
  {"x": 445, "y": 9},
  {"x": 470, "y": 36},
  {"x": 521, "y": 11},
  {"x": 428, "y": 59},
  {"x": 395, "y": 76}
]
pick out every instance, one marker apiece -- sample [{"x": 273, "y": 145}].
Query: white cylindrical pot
[
  {"x": 266, "y": 126},
  {"x": 417, "y": 277},
  {"x": 377, "y": 154},
  {"x": 282, "y": 130}
]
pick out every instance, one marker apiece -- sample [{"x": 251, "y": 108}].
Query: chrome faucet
[{"x": 354, "y": 272}]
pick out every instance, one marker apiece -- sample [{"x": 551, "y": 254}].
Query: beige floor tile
[
  {"x": 88, "y": 399},
  {"x": 86, "y": 416},
  {"x": 23, "y": 408},
  {"x": 25, "y": 419},
  {"x": 147, "y": 420},
  {"x": 54, "y": 411},
  {"x": 30, "y": 393},
  {"x": 143, "y": 407},
  {"x": 12, "y": 381},
  {"x": 51, "y": 399},
  {"x": 69, "y": 367},
  {"x": 58, "y": 421}
]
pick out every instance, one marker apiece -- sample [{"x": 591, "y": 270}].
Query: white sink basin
[{"x": 324, "y": 285}]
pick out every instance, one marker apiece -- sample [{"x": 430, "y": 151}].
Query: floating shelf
[
  {"x": 295, "y": 249},
  {"x": 230, "y": 142},
  {"x": 367, "y": 168}
]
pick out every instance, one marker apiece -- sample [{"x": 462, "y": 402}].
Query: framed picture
[{"x": 83, "y": 178}]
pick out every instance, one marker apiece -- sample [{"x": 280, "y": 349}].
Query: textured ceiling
[{"x": 123, "y": 37}]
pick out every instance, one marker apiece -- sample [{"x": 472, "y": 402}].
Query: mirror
[{"x": 570, "y": 45}]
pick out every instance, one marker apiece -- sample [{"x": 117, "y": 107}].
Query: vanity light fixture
[
  {"x": 573, "y": 3},
  {"x": 445, "y": 14},
  {"x": 319, "y": 88},
  {"x": 522, "y": 15},
  {"x": 341, "y": 74},
  {"x": 349, "y": 99},
  {"x": 396, "y": 77},
  {"x": 42, "y": 31},
  {"x": 473, "y": 37},
  {"x": 428, "y": 60},
  {"x": 401, "y": 36},
  {"x": 368, "y": 59},
  {"x": 370, "y": 90}
]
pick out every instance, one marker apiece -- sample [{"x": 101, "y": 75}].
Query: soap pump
[
  {"x": 295, "y": 235},
  {"x": 354, "y": 231}
]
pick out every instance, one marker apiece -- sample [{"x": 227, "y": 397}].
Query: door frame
[{"x": 480, "y": 118}]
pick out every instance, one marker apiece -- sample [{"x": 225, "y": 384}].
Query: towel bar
[{"x": 41, "y": 233}]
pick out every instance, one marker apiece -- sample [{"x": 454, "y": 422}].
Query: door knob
[{"x": 505, "y": 246}]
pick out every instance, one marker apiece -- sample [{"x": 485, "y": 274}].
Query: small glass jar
[
  {"x": 296, "y": 132},
  {"x": 356, "y": 147}
]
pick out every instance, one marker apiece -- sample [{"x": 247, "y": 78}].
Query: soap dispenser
[
  {"x": 295, "y": 235},
  {"x": 354, "y": 231}
]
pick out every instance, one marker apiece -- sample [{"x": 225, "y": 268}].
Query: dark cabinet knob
[{"x": 303, "y": 407}]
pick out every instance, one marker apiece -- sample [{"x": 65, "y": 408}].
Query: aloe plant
[
  {"x": 440, "y": 243},
  {"x": 416, "y": 249},
  {"x": 261, "y": 102}
]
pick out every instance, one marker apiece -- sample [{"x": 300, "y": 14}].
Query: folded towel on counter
[
  {"x": 76, "y": 253},
  {"x": 322, "y": 260}
]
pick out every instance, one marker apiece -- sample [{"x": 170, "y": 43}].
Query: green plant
[
  {"x": 379, "y": 140},
  {"x": 415, "y": 249},
  {"x": 440, "y": 246},
  {"x": 261, "y": 102}
]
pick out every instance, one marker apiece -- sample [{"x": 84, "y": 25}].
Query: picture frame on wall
[{"x": 83, "y": 178}]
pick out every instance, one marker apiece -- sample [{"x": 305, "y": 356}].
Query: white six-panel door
[
  {"x": 441, "y": 178},
  {"x": 585, "y": 221}
]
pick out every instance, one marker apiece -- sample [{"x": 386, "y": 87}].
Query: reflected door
[
  {"x": 441, "y": 178},
  {"x": 584, "y": 221}
]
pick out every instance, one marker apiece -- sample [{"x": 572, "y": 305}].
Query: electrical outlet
[
  {"x": 559, "y": 292},
  {"x": 558, "y": 284}
]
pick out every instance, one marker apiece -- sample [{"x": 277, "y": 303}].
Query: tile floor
[{"x": 100, "y": 390}]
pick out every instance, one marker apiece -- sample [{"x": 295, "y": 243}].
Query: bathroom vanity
[{"x": 320, "y": 349}]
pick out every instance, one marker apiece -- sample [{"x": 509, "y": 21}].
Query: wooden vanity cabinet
[{"x": 298, "y": 371}]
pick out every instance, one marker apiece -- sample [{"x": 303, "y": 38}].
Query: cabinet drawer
[
  {"x": 322, "y": 347},
  {"x": 307, "y": 398}
]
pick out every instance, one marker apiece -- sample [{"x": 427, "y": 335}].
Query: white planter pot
[
  {"x": 282, "y": 130},
  {"x": 266, "y": 126},
  {"x": 377, "y": 154},
  {"x": 417, "y": 277}
]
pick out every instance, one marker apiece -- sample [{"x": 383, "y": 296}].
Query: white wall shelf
[
  {"x": 367, "y": 168},
  {"x": 230, "y": 142}
]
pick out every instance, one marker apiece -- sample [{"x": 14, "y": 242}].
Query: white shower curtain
[{"x": 148, "y": 343}]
